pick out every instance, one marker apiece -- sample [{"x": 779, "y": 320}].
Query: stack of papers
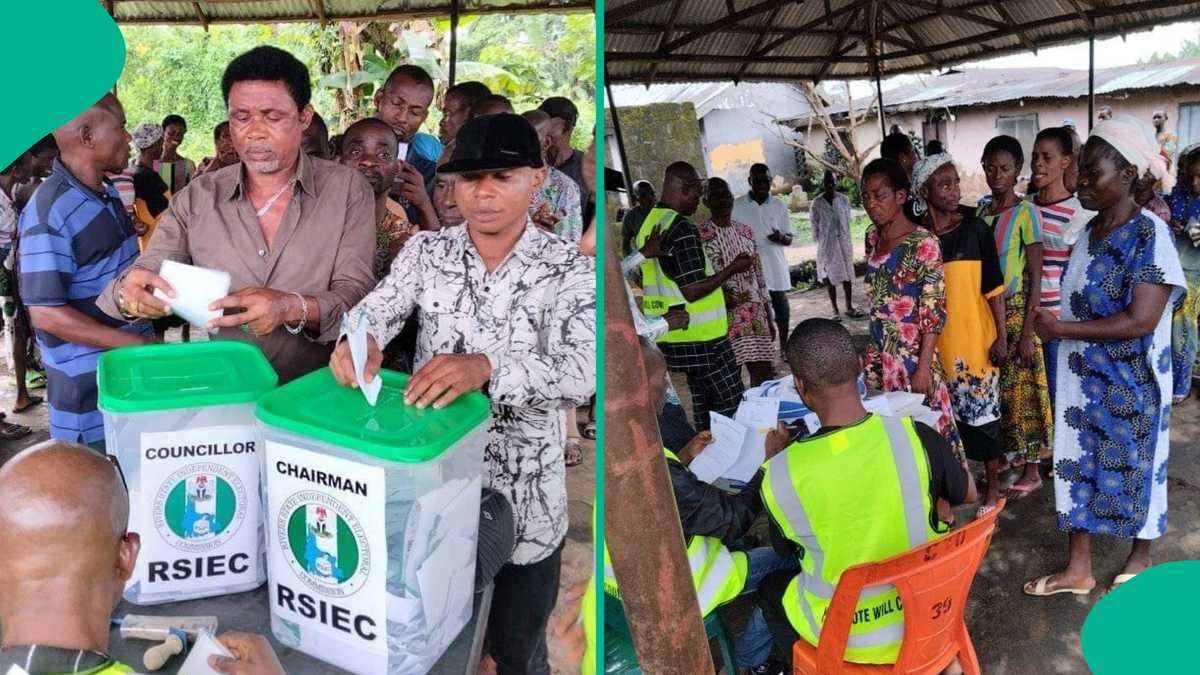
[
  {"x": 195, "y": 289},
  {"x": 739, "y": 444}
]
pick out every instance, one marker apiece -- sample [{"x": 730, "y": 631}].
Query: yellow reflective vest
[
  {"x": 718, "y": 574},
  {"x": 707, "y": 320},
  {"x": 859, "y": 494}
]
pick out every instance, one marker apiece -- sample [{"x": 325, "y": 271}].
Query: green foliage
[{"x": 178, "y": 70}]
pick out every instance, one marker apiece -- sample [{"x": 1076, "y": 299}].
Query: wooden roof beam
[
  {"x": 662, "y": 40},
  {"x": 1020, "y": 36},
  {"x": 762, "y": 35},
  {"x": 797, "y": 32},
  {"x": 840, "y": 48},
  {"x": 319, "y": 8},
  {"x": 651, "y": 57},
  {"x": 200, "y": 15},
  {"x": 958, "y": 13},
  {"x": 730, "y": 20},
  {"x": 917, "y": 42},
  {"x": 612, "y": 16}
]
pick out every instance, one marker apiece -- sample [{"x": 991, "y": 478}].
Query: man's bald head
[
  {"x": 67, "y": 552},
  {"x": 681, "y": 188},
  {"x": 60, "y": 495},
  {"x": 96, "y": 137}
]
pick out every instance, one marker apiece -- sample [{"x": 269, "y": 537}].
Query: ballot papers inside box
[
  {"x": 372, "y": 520},
  {"x": 180, "y": 420}
]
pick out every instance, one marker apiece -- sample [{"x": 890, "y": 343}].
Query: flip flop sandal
[
  {"x": 855, "y": 313},
  {"x": 574, "y": 453},
  {"x": 589, "y": 431},
  {"x": 1119, "y": 580},
  {"x": 1039, "y": 588},
  {"x": 33, "y": 400},
  {"x": 983, "y": 510},
  {"x": 10, "y": 432}
]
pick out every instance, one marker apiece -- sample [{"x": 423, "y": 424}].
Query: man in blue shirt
[{"x": 76, "y": 238}]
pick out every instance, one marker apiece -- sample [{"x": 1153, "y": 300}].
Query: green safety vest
[
  {"x": 707, "y": 320},
  {"x": 883, "y": 465},
  {"x": 718, "y": 574},
  {"x": 588, "y": 612}
]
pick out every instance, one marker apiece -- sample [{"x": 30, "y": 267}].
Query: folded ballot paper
[
  {"x": 195, "y": 289},
  {"x": 356, "y": 335},
  {"x": 739, "y": 444}
]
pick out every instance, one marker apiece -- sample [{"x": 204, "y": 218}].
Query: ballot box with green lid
[
  {"x": 180, "y": 420},
  {"x": 372, "y": 521}
]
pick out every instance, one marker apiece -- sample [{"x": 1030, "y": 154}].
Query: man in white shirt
[{"x": 772, "y": 227}]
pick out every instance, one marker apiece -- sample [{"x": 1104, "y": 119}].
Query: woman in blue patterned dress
[{"x": 1112, "y": 417}]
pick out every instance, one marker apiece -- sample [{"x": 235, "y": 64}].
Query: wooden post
[
  {"x": 875, "y": 66},
  {"x": 1091, "y": 81},
  {"x": 612, "y": 102},
  {"x": 453, "y": 40},
  {"x": 641, "y": 521}
]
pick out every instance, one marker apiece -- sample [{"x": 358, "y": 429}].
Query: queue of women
[{"x": 1040, "y": 325}]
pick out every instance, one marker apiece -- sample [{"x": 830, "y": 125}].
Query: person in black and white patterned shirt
[{"x": 508, "y": 308}]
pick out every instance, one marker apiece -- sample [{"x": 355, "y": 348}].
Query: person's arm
[
  {"x": 814, "y": 219},
  {"x": 708, "y": 511},
  {"x": 1031, "y": 233},
  {"x": 67, "y": 323},
  {"x": 1138, "y": 319},
  {"x": 413, "y": 188},
  {"x": 781, "y": 544},
  {"x": 562, "y": 373},
  {"x": 783, "y": 236},
  {"x": 931, "y": 312},
  {"x": 570, "y": 227},
  {"x": 991, "y": 285},
  {"x": 947, "y": 477},
  {"x": 170, "y": 242}
]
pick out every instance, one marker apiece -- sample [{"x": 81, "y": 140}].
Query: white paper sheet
[
  {"x": 197, "y": 659},
  {"x": 716, "y": 458},
  {"x": 759, "y": 416},
  {"x": 436, "y": 576},
  {"x": 195, "y": 289},
  {"x": 356, "y": 336}
]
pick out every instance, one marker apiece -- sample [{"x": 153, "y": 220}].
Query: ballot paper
[
  {"x": 729, "y": 436},
  {"x": 197, "y": 660},
  {"x": 759, "y": 415},
  {"x": 195, "y": 289},
  {"x": 356, "y": 335}
]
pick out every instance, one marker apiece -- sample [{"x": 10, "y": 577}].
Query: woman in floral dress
[
  {"x": 908, "y": 298},
  {"x": 1113, "y": 404},
  {"x": 747, "y": 301}
]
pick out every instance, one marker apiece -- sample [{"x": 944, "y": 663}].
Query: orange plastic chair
[{"x": 933, "y": 581}]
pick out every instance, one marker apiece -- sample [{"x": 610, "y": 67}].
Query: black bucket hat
[{"x": 494, "y": 142}]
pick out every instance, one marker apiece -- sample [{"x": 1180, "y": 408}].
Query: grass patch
[{"x": 802, "y": 230}]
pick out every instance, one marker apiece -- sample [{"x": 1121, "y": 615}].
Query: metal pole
[
  {"x": 612, "y": 105},
  {"x": 641, "y": 521},
  {"x": 875, "y": 65},
  {"x": 1091, "y": 81},
  {"x": 879, "y": 93},
  {"x": 453, "y": 39}
]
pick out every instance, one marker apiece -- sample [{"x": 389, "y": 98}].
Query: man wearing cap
[
  {"x": 564, "y": 157},
  {"x": 508, "y": 308},
  {"x": 296, "y": 233},
  {"x": 1166, "y": 139}
]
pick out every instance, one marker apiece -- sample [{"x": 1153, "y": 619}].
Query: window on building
[
  {"x": 1188, "y": 127},
  {"x": 1023, "y": 127}
]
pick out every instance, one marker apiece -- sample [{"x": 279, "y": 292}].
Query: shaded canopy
[
  {"x": 281, "y": 11},
  {"x": 718, "y": 40}
]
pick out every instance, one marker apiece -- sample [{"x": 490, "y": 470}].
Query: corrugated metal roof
[
  {"x": 265, "y": 11},
  {"x": 988, "y": 85},
  {"x": 744, "y": 40},
  {"x": 709, "y": 96}
]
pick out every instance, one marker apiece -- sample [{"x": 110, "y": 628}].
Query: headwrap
[
  {"x": 146, "y": 134},
  {"x": 1136, "y": 142},
  {"x": 921, "y": 174}
]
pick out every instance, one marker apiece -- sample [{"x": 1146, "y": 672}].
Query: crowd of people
[
  {"x": 1050, "y": 330},
  {"x": 467, "y": 256}
]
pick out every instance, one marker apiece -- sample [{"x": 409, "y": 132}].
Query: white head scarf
[
  {"x": 146, "y": 134},
  {"x": 1136, "y": 142},
  {"x": 923, "y": 170}
]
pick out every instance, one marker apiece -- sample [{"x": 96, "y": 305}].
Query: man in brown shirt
[{"x": 296, "y": 233}]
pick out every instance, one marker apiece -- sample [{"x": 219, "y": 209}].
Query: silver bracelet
[{"x": 303, "y": 319}]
